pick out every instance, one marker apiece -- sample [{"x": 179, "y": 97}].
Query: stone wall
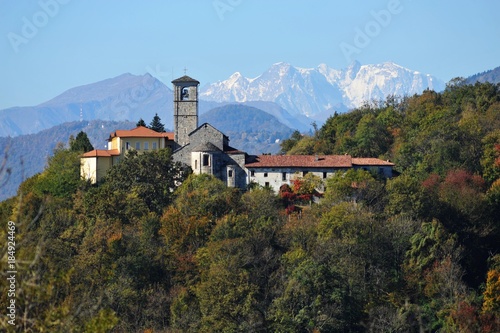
[{"x": 207, "y": 133}]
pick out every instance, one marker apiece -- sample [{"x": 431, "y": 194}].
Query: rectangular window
[
  {"x": 265, "y": 174},
  {"x": 283, "y": 176},
  {"x": 304, "y": 173},
  {"x": 266, "y": 184},
  {"x": 127, "y": 145},
  {"x": 325, "y": 175},
  {"x": 206, "y": 160},
  {"x": 138, "y": 146},
  {"x": 154, "y": 146},
  {"x": 252, "y": 173},
  {"x": 146, "y": 145},
  {"x": 230, "y": 173}
]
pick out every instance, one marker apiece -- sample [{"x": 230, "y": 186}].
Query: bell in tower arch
[{"x": 184, "y": 94}]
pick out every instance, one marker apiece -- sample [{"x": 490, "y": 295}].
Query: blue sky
[{"x": 49, "y": 46}]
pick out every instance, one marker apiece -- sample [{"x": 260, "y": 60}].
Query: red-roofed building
[
  {"x": 276, "y": 170},
  {"x": 96, "y": 163}
]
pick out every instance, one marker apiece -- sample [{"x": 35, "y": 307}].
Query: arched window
[{"x": 184, "y": 94}]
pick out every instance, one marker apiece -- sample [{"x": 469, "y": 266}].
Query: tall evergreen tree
[
  {"x": 141, "y": 122},
  {"x": 81, "y": 143},
  {"x": 156, "y": 124}
]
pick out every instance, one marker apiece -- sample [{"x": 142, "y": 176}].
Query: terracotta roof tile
[
  {"x": 141, "y": 132},
  {"x": 370, "y": 161},
  {"x": 102, "y": 153},
  {"x": 310, "y": 161}
]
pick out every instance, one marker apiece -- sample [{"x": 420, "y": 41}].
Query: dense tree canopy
[{"x": 154, "y": 249}]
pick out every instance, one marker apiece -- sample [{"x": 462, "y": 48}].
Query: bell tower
[{"x": 185, "y": 108}]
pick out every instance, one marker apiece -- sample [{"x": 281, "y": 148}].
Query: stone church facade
[{"x": 204, "y": 148}]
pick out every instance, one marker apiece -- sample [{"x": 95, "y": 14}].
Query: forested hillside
[
  {"x": 416, "y": 253},
  {"x": 491, "y": 76}
]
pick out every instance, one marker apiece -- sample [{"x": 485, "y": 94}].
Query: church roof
[
  {"x": 231, "y": 150},
  {"x": 301, "y": 161},
  {"x": 185, "y": 78},
  {"x": 205, "y": 125},
  {"x": 311, "y": 161},
  {"x": 141, "y": 132},
  {"x": 206, "y": 147}
]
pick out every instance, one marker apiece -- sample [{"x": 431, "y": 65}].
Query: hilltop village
[{"x": 207, "y": 151}]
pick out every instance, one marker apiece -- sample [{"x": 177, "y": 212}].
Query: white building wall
[{"x": 275, "y": 177}]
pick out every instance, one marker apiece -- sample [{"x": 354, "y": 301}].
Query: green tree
[
  {"x": 226, "y": 293},
  {"x": 151, "y": 176},
  {"x": 433, "y": 273},
  {"x": 260, "y": 203},
  {"x": 303, "y": 147},
  {"x": 406, "y": 195},
  {"x": 353, "y": 185},
  {"x": 186, "y": 224},
  {"x": 490, "y": 161},
  {"x": 81, "y": 143},
  {"x": 339, "y": 130},
  {"x": 141, "y": 122},
  {"x": 313, "y": 297},
  {"x": 288, "y": 144},
  {"x": 491, "y": 294},
  {"x": 237, "y": 266},
  {"x": 61, "y": 178},
  {"x": 156, "y": 124},
  {"x": 372, "y": 138}
]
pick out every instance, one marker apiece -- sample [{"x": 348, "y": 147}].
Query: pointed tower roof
[{"x": 185, "y": 79}]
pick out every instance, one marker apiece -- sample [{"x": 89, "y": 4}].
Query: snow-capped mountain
[{"x": 312, "y": 91}]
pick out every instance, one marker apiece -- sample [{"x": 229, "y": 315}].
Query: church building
[
  {"x": 207, "y": 151},
  {"x": 204, "y": 148}
]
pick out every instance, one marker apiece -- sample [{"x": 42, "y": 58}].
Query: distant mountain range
[
  {"x": 318, "y": 92},
  {"x": 492, "y": 76},
  {"x": 296, "y": 96},
  {"x": 126, "y": 97}
]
